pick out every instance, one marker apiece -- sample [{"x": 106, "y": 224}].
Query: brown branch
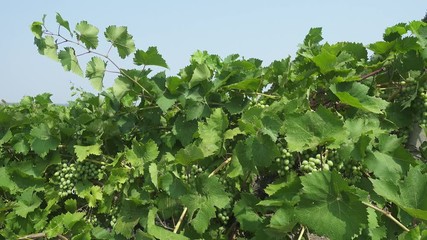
[{"x": 378, "y": 71}]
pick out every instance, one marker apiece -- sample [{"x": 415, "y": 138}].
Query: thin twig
[
  {"x": 220, "y": 167},
  {"x": 301, "y": 233},
  {"x": 387, "y": 214},
  {"x": 181, "y": 218},
  {"x": 40, "y": 235},
  {"x": 373, "y": 73}
]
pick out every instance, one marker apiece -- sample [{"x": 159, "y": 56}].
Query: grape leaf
[
  {"x": 42, "y": 147},
  {"x": 91, "y": 193},
  {"x": 210, "y": 194},
  {"x": 159, "y": 232},
  {"x": 37, "y": 29},
  {"x": 314, "y": 128},
  {"x": 356, "y": 94},
  {"x": 95, "y": 71},
  {"x": 6, "y": 181},
  {"x": 82, "y": 152},
  {"x": 69, "y": 61},
  {"x": 121, "y": 39},
  {"x": 63, "y": 23},
  {"x": 328, "y": 201},
  {"x": 200, "y": 74},
  {"x": 245, "y": 212},
  {"x": 88, "y": 34},
  {"x": 409, "y": 194},
  {"x": 151, "y": 57},
  {"x": 27, "y": 202},
  {"x": 47, "y": 46},
  {"x": 142, "y": 153}
]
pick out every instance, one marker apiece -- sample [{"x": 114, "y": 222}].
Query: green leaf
[
  {"x": 121, "y": 39},
  {"x": 27, "y": 202},
  {"x": 47, "y": 46},
  {"x": 102, "y": 233},
  {"x": 313, "y": 129},
  {"x": 151, "y": 57},
  {"x": 142, "y": 153},
  {"x": 69, "y": 61},
  {"x": 200, "y": 74},
  {"x": 330, "y": 207},
  {"x": 82, "y": 152},
  {"x": 356, "y": 94},
  {"x": 91, "y": 193},
  {"x": 159, "y": 232},
  {"x": 247, "y": 84},
  {"x": 63, "y": 23},
  {"x": 129, "y": 216},
  {"x": 188, "y": 155},
  {"x": 314, "y": 36},
  {"x": 326, "y": 61},
  {"x": 283, "y": 220},
  {"x": 95, "y": 71},
  {"x": 37, "y": 29},
  {"x": 88, "y": 34},
  {"x": 70, "y": 205},
  {"x": 210, "y": 194},
  {"x": 41, "y": 132},
  {"x": 409, "y": 194},
  {"x": 6, "y": 181},
  {"x": 165, "y": 103},
  {"x": 245, "y": 212},
  {"x": 152, "y": 169},
  {"x": 42, "y": 147}
]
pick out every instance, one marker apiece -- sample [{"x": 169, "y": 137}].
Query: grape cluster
[
  {"x": 91, "y": 219},
  {"x": 64, "y": 175},
  {"x": 113, "y": 213},
  {"x": 67, "y": 175},
  {"x": 315, "y": 162},
  {"x": 258, "y": 103},
  {"x": 286, "y": 161},
  {"x": 223, "y": 216},
  {"x": 191, "y": 173},
  {"x": 420, "y": 105},
  {"x": 353, "y": 171}
]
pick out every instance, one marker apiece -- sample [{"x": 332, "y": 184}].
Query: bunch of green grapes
[
  {"x": 286, "y": 161},
  {"x": 91, "y": 219},
  {"x": 89, "y": 170},
  {"x": 353, "y": 171},
  {"x": 65, "y": 177},
  {"x": 113, "y": 213},
  {"x": 313, "y": 162},
  {"x": 224, "y": 216},
  {"x": 258, "y": 103},
  {"x": 420, "y": 106},
  {"x": 190, "y": 174}
]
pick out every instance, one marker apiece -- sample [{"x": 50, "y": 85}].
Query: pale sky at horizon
[{"x": 268, "y": 30}]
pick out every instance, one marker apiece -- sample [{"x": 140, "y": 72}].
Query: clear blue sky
[{"x": 268, "y": 30}]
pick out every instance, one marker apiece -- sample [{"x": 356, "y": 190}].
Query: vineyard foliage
[{"x": 228, "y": 148}]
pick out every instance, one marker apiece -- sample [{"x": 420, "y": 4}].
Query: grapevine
[{"x": 228, "y": 148}]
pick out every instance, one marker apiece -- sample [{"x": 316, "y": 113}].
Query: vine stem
[
  {"x": 40, "y": 235},
  {"x": 301, "y": 234},
  {"x": 373, "y": 73},
  {"x": 387, "y": 214},
  {"x": 181, "y": 218},
  {"x": 228, "y": 160}
]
